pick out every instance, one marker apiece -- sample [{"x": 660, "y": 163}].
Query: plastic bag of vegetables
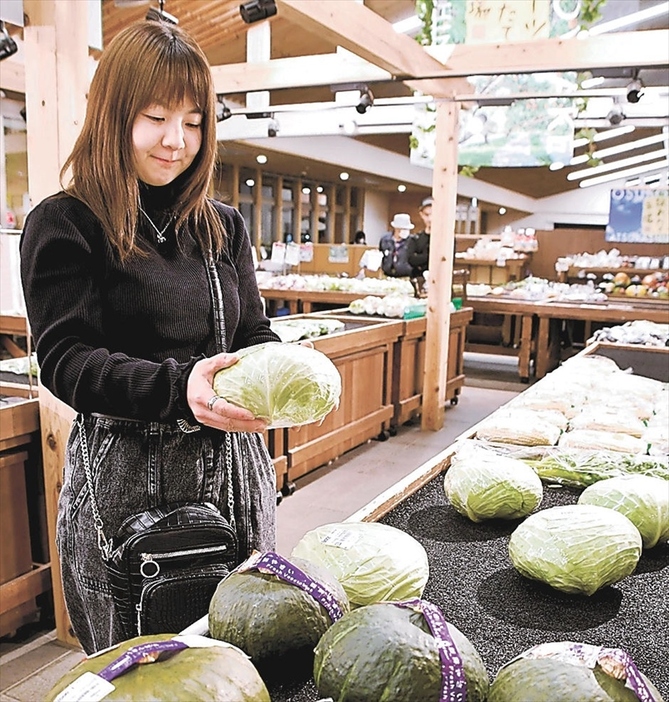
[
  {"x": 576, "y": 549},
  {"x": 644, "y": 500},
  {"x": 286, "y": 384},
  {"x": 372, "y": 561},
  {"x": 480, "y": 484}
]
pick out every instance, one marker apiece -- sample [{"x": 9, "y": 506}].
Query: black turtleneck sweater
[{"x": 121, "y": 338}]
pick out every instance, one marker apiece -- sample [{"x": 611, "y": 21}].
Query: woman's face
[{"x": 165, "y": 141}]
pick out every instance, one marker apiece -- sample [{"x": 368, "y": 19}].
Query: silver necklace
[{"x": 160, "y": 234}]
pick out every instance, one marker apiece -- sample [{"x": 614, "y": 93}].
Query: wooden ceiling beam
[
  {"x": 357, "y": 28},
  {"x": 299, "y": 71}
]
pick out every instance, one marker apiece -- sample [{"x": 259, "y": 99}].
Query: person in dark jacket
[
  {"x": 394, "y": 247},
  {"x": 118, "y": 272},
  {"x": 419, "y": 246}
]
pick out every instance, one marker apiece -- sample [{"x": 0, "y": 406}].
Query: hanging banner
[
  {"x": 492, "y": 21},
  {"x": 639, "y": 215}
]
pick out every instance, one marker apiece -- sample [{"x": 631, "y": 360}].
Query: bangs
[{"x": 173, "y": 81}]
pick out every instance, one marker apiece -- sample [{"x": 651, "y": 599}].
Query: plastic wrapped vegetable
[
  {"x": 372, "y": 561},
  {"x": 576, "y": 549},
  {"x": 521, "y": 426},
  {"x": 480, "y": 484},
  {"x": 286, "y": 384},
  {"x": 603, "y": 441},
  {"x": 642, "y": 499}
]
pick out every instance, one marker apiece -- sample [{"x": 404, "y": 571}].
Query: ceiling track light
[
  {"x": 8, "y": 46},
  {"x": 158, "y": 14},
  {"x": 257, "y": 10},
  {"x": 223, "y": 112},
  {"x": 635, "y": 88},
  {"x": 365, "y": 102},
  {"x": 616, "y": 115}
]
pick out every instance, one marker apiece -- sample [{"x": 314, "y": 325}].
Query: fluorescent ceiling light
[
  {"x": 615, "y": 165},
  {"x": 606, "y": 134},
  {"x": 407, "y": 25},
  {"x": 657, "y": 166},
  {"x": 629, "y": 20},
  {"x": 621, "y": 148}
]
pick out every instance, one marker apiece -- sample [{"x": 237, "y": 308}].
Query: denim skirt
[{"x": 138, "y": 465}]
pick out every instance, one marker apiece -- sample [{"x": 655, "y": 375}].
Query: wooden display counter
[
  {"x": 490, "y": 273},
  {"x": 21, "y": 579},
  {"x": 579, "y": 274},
  {"x": 541, "y": 332},
  {"x": 13, "y": 325},
  {"x": 307, "y": 301},
  {"x": 363, "y": 355}
]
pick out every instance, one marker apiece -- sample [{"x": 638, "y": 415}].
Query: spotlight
[
  {"x": 257, "y": 10},
  {"x": 616, "y": 115},
  {"x": 158, "y": 14},
  {"x": 272, "y": 128},
  {"x": 635, "y": 91},
  {"x": 8, "y": 46},
  {"x": 365, "y": 102},
  {"x": 223, "y": 112}
]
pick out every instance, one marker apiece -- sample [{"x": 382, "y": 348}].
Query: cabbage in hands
[
  {"x": 286, "y": 384},
  {"x": 644, "y": 500},
  {"x": 480, "y": 484}
]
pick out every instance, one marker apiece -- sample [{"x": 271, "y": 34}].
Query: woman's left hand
[{"x": 214, "y": 411}]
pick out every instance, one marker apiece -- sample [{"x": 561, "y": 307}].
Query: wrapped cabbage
[
  {"x": 372, "y": 561},
  {"x": 599, "y": 440},
  {"x": 644, "y": 500},
  {"x": 576, "y": 549},
  {"x": 286, "y": 384},
  {"x": 480, "y": 484},
  {"x": 607, "y": 418},
  {"x": 521, "y": 426}
]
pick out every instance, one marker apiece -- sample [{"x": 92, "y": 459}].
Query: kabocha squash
[
  {"x": 570, "y": 672},
  {"x": 277, "y": 623},
  {"x": 208, "y": 674},
  {"x": 386, "y": 651}
]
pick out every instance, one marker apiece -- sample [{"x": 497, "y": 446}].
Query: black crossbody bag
[{"x": 164, "y": 563}]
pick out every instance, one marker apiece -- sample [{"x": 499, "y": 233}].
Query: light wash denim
[{"x": 138, "y": 465}]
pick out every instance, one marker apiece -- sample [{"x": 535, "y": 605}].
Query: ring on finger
[{"x": 212, "y": 401}]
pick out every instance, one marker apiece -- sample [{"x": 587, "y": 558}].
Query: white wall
[{"x": 376, "y": 215}]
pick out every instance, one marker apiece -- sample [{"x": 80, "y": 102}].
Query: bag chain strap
[{"x": 104, "y": 544}]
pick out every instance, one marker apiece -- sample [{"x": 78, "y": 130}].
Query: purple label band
[
  {"x": 453, "y": 681},
  {"x": 135, "y": 654},
  {"x": 634, "y": 680},
  {"x": 271, "y": 562}
]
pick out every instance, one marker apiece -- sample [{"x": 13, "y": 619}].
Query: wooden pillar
[
  {"x": 442, "y": 248},
  {"x": 278, "y": 209},
  {"x": 256, "y": 237},
  {"x": 56, "y": 70},
  {"x": 332, "y": 215}
]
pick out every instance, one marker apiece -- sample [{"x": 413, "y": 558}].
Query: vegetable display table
[{"x": 502, "y": 613}]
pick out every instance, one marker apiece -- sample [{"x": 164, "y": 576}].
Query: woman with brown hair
[{"x": 139, "y": 287}]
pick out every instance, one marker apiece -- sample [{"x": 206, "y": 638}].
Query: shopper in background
[
  {"x": 394, "y": 247},
  {"x": 419, "y": 248},
  {"x": 118, "y": 296},
  {"x": 360, "y": 238}
]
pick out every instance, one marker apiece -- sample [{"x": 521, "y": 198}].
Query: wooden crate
[{"x": 363, "y": 354}]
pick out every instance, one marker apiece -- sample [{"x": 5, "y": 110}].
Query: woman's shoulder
[{"x": 61, "y": 206}]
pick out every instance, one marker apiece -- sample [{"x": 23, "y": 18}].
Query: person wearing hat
[
  {"x": 395, "y": 247},
  {"x": 418, "y": 254}
]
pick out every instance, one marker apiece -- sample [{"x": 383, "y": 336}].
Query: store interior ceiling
[{"x": 221, "y": 31}]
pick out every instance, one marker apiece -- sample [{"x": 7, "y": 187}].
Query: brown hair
[{"x": 148, "y": 62}]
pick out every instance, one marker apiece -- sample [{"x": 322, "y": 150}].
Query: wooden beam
[
  {"x": 442, "y": 249},
  {"x": 300, "y": 71},
  {"x": 646, "y": 49},
  {"x": 12, "y": 76},
  {"x": 354, "y": 26}
]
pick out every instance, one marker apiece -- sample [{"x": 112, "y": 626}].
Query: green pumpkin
[
  {"x": 551, "y": 680},
  {"x": 385, "y": 652},
  {"x": 208, "y": 674},
  {"x": 274, "y": 622}
]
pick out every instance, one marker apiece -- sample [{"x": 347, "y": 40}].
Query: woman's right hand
[{"x": 218, "y": 414}]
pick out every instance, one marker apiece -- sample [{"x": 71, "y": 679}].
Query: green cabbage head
[
  {"x": 482, "y": 485},
  {"x": 644, "y": 500},
  {"x": 576, "y": 549},
  {"x": 373, "y": 562},
  {"x": 285, "y": 384}
]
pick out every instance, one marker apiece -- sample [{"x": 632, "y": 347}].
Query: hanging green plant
[
  {"x": 468, "y": 171},
  {"x": 424, "y": 9}
]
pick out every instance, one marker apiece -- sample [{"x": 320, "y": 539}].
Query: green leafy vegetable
[
  {"x": 642, "y": 499},
  {"x": 372, "y": 561},
  {"x": 480, "y": 484},
  {"x": 576, "y": 549},
  {"x": 286, "y": 384}
]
